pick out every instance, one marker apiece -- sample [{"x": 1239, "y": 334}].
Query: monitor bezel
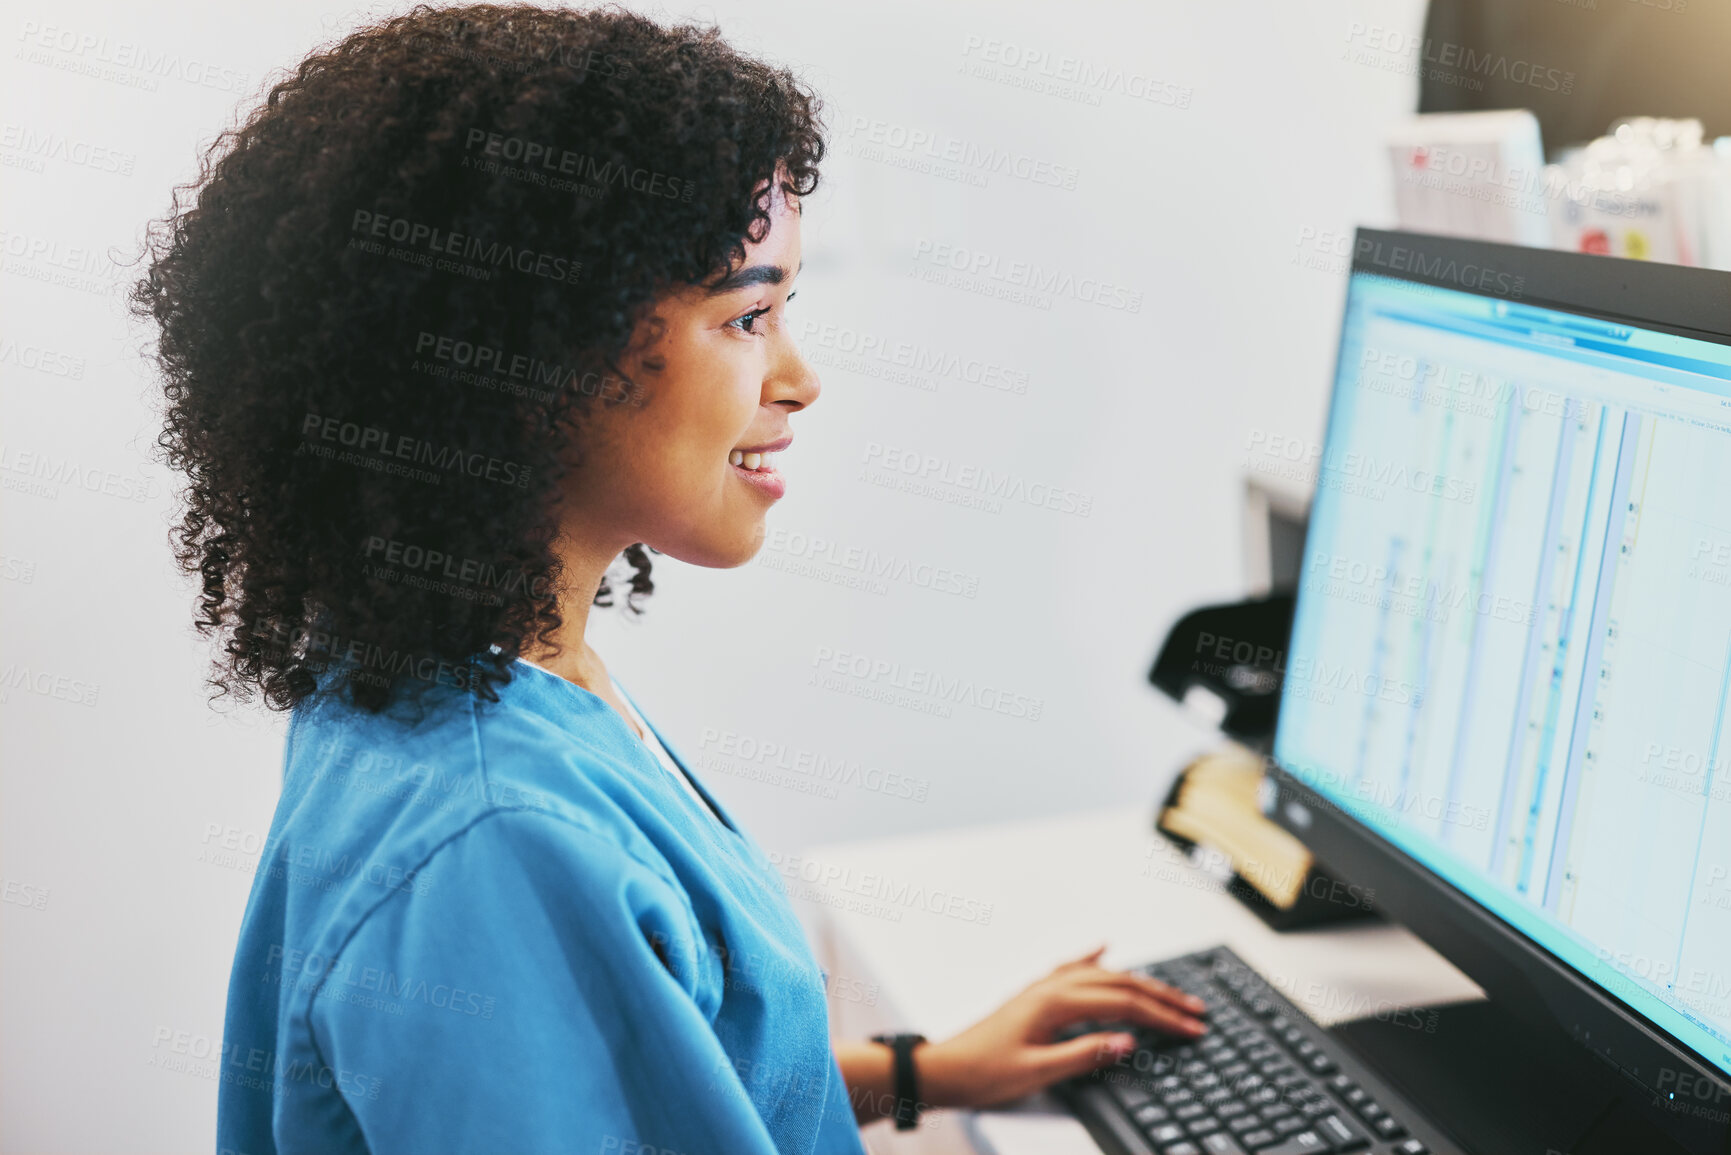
[{"x": 1513, "y": 969}]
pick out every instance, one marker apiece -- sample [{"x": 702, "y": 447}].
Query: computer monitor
[{"x": 1505, "y": 693}]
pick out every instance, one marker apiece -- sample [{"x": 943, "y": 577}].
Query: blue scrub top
[{"x": 504, "y": 928}]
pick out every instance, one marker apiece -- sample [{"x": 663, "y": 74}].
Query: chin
[{"x": 720, "y": 552}]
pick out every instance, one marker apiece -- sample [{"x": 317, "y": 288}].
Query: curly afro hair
[{"x": 396, "y": 291}]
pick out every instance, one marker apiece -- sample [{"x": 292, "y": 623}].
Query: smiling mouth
[
  {"x": 756, "y": 468},
  {"x": 753, "y": 462}
]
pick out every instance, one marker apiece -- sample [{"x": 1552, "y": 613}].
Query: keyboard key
[
  {"x": 1343, "y": 1135},
  {"x": 1230, "y": 1108},
  {"x": 1241, "y": 1124},
  {"x": 1303, "y": 1143},
  {"x": 1184, "y": 1148},
  {"x": 1149, "y": 1114},
  {"x": 1287, "y": 1124},
  {"x": 1130, "y": 1095},
  {"x": 1411, "y": 1147},
  {"x": 1255, "y": 1139},
  {"x": 1166, "y": 1133},
  {"x": 1206, "y": 1125},
  {"x": 1220, "y": 1143},
  {"x": 1387, "y": 1128}
]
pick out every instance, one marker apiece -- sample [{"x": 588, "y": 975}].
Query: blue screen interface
[{"x": 1511, "y": 652}]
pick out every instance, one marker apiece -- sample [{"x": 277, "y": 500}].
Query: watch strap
[{"x": 905, "y": 1083}]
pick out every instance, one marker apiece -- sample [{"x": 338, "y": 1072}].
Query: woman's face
[{"x": 719, "y": 380}]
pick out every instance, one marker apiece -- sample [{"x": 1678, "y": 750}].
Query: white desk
[{"x": 1057, "y": 888}]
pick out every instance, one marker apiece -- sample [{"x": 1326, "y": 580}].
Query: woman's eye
[{"x": 746, "y": 322}]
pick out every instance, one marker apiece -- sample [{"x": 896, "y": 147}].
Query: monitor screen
[{"x": 1511, "y": 651}]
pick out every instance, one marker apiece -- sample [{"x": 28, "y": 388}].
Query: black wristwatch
[{"x": 905, "y": 1079}]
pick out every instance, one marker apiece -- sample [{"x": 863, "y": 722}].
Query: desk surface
[{"x": 931, "y": 932}]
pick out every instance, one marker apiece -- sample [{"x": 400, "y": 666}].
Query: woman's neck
[{"x": 568, "y": 655}]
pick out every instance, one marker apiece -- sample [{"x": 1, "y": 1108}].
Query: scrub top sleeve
[{"x": 516, "y": 999}]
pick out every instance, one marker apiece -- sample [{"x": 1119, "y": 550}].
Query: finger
[
  {"x": 1165, "y": 992},
  {"x": 1117, "y": 1004},
  {"x": 1084, "y": 1053}
]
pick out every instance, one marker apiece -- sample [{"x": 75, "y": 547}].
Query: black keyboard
[{"x": 1264, "y": 1080}]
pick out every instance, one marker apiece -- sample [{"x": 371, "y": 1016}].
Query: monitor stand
[{"x": 1505, "y": 1088}]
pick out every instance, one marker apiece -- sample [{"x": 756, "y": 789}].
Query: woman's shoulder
[
  {"x": 387, "y": 812},
  {"x": 427, "y": 769}
]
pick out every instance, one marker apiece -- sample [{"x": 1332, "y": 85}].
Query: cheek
[
  {"x": 687, "y": 452},
  {"x": 718, "y": 415},
  {"x": 703, "y": 403}
]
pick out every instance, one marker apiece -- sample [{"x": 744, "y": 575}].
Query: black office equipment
[
  {"x": 1263, "y": 1079},
  {"x": 1504, "y": 690},
  {"x": 1214, "y": 804},
  {"x": 1235, "y": 652}
]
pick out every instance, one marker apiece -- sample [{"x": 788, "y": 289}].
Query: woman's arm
[
  {"x": 1010, "y": 1053},
  {"x": 866, "y": 1069},
  {"x": 535, "y": 1012}
]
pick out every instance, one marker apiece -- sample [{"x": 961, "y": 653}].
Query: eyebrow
[{"x": 749, "y": 276}]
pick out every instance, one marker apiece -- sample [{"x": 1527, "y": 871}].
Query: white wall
[{"x": 118, "y": 926}]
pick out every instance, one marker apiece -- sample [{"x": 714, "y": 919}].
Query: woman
[{"x": 480, "y": 300}]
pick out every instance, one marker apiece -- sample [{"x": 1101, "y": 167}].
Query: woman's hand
[{"x": 1010, "y": 1053}]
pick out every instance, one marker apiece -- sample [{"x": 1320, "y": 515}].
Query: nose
[{"x": 792, "y": 379}]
